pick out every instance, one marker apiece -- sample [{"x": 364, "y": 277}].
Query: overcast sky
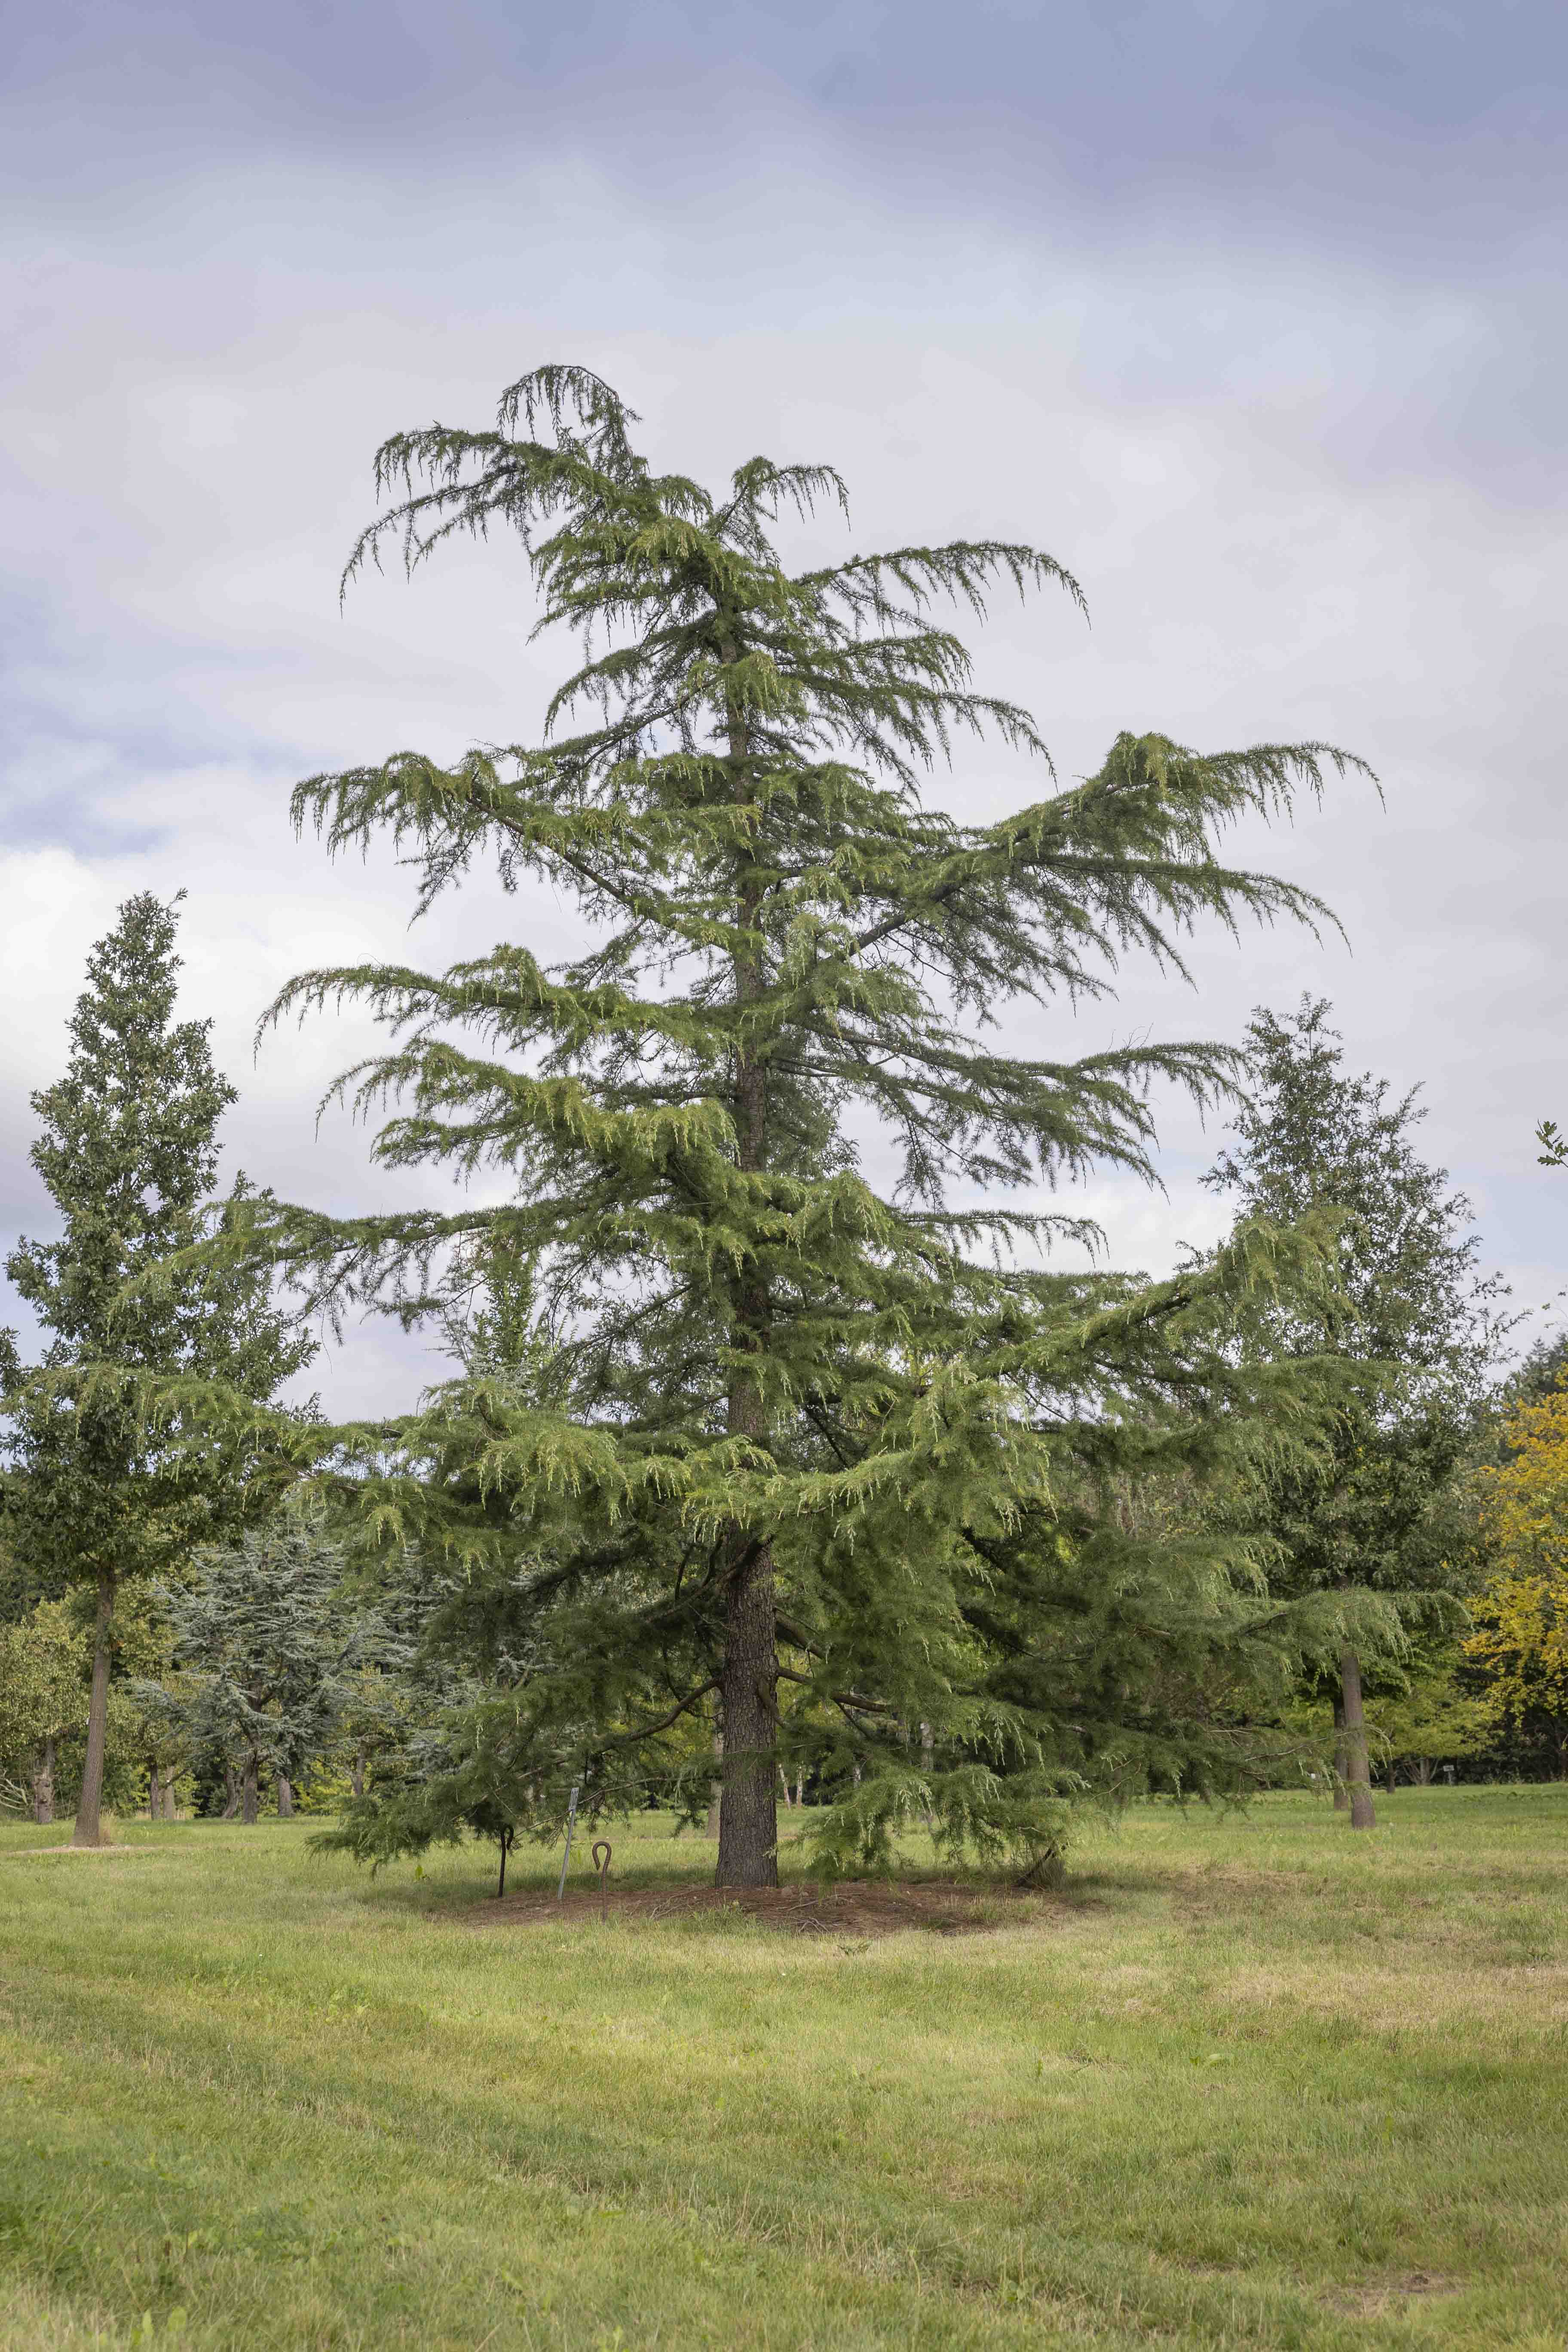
[{"x": 1251, "y": 314}]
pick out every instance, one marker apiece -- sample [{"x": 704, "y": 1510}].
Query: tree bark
[
  {"x": 44, "y": 1782},
  {"x": 170, "y": 1813},
  {"x": 748, "y": 1813},
  {"x": 231, "y": 1793},
  {"x": 154, "y": 1793},
  {"x": 716, "y": 1789},
  {"x": 285, "y": 1798},
  {"x": 247, "y": 1802},
  {"x": 1388, "y": 1780},
  {"x": 356, "y": 1778},
  {"x": 88, "y": 1830},
  {"x": 1363, "y": 1815},
  {"x": 1341, "y": 1760},
  {"x": 1423, "y": 1772},
  {"x": 927, "y": 1759}
]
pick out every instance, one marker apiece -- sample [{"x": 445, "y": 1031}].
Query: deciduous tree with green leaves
[
  {"x": 94, "y": 1494},
  {"x": 783, "y": 1421},
  {"x": 43, "y": 1681},
  {"x": 1432, "y": 1721}
]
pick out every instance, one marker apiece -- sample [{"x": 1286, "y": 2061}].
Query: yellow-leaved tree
[{"x": 1520, "y": 1637}]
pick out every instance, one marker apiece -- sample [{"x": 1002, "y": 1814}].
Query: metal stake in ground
[
  {"x": 571, "y": 1817},
  {"x": 602, "y": 1846}
]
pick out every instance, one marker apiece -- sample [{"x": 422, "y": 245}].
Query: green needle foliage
[
  {"x": 1376, "y": 1544},
  {"x": 269, "y": 1652},
  {"x": 769, "y": 1420},
  {"x": 95, "y": 1495}
]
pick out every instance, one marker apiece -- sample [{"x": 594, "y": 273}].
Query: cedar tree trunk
[
  {"x": 44, "y": 1782},
  {"x": 285, "y": 1797},
  {"x": 88, "y": 1830},
  {"x": 1363, "y": 1816},
  {"x": 747, "y": 1815},
  {"x": 717, "y": 1788},
  {"x": 231, "y": 1793},
  {"x": 247, "y": 1804}
]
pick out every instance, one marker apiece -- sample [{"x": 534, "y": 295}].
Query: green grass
[{"x": 1249, "y": 2082}]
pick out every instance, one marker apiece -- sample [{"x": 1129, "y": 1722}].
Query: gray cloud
[
  {"x": 1296, "y": 434},
  {"x": 1399, "y": 124}
]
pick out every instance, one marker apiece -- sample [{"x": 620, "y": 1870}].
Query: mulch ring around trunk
[{"x": 853, "y": 1907}]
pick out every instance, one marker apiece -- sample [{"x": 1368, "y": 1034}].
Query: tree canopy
[
  {"x": 1373, "y": 1528},
  {"x": 96, "y": 1492},
  {"x": 269, "y": 1649},
  {"x": 780, "y": 1417},
  {"x": 1521, "y": 1635}
]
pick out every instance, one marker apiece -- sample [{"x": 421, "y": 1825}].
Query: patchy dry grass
[{"x": 1248, "y": 2082}]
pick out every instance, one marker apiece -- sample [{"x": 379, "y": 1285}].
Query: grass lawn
[{"x": 1248, "y": 2082}]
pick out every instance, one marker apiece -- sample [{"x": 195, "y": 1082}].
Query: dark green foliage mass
[
  {"x": 267, "y": 1646},
  {"x": 1539, "y": 1371},
  {"x": 94, "y": 1494},
  {"x": 766, "y": 1423}
]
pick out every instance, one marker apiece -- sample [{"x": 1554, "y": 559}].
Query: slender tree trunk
[
  {"x": 154, "y": 1793},
  {"x": 799, "y": 1790},
  {"x": 285, "y": 1798},
  {"x": 1363, "y": 1815},
  {"x": 928, "y": 1759},
  {"x": 1423, "y": 1772},
  {"x": 1388, "y": 1780},
  {"x": 44, "y": 1782},
  {"x": 247, "y": 1805},
  {"x": 1342, "y": 1761},
  {"x": 231, "y": 1793},
  {"x": 170, "y": 1812},
  {"x": 356, "y": 1778},
  {"x": 88, "y": 1830}
]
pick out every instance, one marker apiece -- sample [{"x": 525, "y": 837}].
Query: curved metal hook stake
[{"x": 602, "y": 1846}]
